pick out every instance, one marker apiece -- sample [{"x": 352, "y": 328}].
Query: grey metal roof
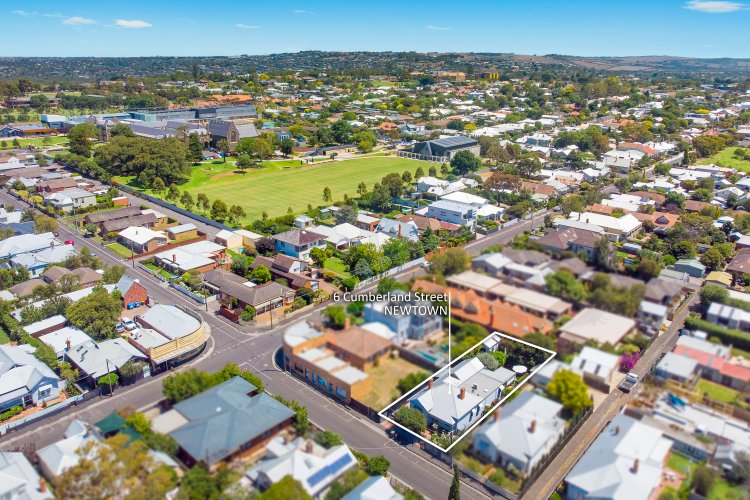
[{"x": 223, "y": 418}]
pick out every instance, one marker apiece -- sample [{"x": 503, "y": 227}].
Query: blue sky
[{"x": 700, "y": 28}]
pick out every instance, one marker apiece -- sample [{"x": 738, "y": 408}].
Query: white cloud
[
  {"x": 20, "y": 12},
  {"x": 436, "y": 28},
  {"x": 247, "y": 26},
  {"x": 714, "y": 7},
  {"x": 52, "y": 14},
  {"x": 132, "y": 24},
  {"x": 303, "y": 11},
  {"x": 78, "y": 21}
]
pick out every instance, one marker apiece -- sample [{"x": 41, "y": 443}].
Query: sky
[{"x": 695, "y": 28}]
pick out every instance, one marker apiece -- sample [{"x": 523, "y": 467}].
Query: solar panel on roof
[{"x": 328, "y": 470}]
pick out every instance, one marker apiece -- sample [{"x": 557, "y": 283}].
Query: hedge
[
  {"x": 12, "y": 412},
  {"x": 736, "y": 338}
]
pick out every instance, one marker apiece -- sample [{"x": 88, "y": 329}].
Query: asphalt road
[
  {"x": 555, "y": 472},
  {"x": 254, "y": 349}
]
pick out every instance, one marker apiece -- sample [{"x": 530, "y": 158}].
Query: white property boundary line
[{"x": 382, "y": 414}]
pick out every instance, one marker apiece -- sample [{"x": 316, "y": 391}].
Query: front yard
[
  {"x": 158, "y": 270},
  {"x": 338, "y": 266},
  {"x": 385, "y": 377},
  {"x": 119, "y": 249}
]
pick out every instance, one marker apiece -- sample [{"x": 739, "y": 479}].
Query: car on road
[
  {"x": 629, "y": 382},
  {"x": 128, "y": 323},
  {"x": 70, "y": 242}
]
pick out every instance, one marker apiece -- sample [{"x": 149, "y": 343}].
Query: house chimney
[
  {"x": 462, "y": 395},
  {"x": 430, "y": 383},
  {"x": 67, "y": 345},
  {"x": 42, "y": 485},
  {"x": 347, "y": 323},
  {"x": 532, "y": 428},
  {"x": 635, "y": 466},
  {"x": 309, "y": 446},
  {"x": 496, "y": 415},
  {"x": 399, "y": 231},
  {"x": 174, "y": 258},
  {"x": 617, "y": 430}
]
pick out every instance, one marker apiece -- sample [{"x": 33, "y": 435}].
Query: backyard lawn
[
  {"x": 279, "y": 185},
  {"x": 337, "y": 266},
  {"x": 680, "y": 464},
  {"x": 385, "y": 379},
  {"x": 717, "y": 391},
  {"x": 4, "y": 339},
  {"x": 725, "y": 158}
]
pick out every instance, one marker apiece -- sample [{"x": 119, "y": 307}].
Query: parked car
[
  {"x": 70, "y": 242},
  {"x": 119, "y": 328},
  {"x": 128, "y": 323}
]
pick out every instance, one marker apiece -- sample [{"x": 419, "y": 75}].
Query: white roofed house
[
  {"x": 455, "y": 401},
  {"x": 19, "y": 480},
  {"x": 59, "y": 456},
  {"x": 617, "y": 228},
  {"x": 37, "y": 262},
  {"x": 24, "y": 380},
  {"x": 598, "y": 367},
  {"x": 96, "y": 359},
  {"x": 595, "y": 324},
  {"x": 521, "y": 432},
  {"x": 71, "y": 199},
  {"x": 25, "y": 243},
  {"x": 141, "y": 239},
  {"x": 312, "y": 465},
  {"x": 626, "y": 461}
]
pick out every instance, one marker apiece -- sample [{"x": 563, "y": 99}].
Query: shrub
[
  {"x": 411, "y": 418},
  {"x": 10, "y": 413},
  {"x": 328, "y": 439},
  {"x": 738, "y": 339}
]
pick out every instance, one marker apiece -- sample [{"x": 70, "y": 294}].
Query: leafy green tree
[
  {"x": 704, "y": 479},
  {"x": 195, "y": 147},
  {"x": 568, "y": 388},
  {"x": 464, "y": 162},
  {"x": 528, "y": 166},
  {"x": 411, "y": 380},
  {"x": 219, "y": 210},
  {"x": 158, "y": 186},
  {"x": 411, "y": 418},
  {"x": 328, "y": 439},
  {"x": 453, "y": 261},
  {"x": 173, "y": 194},
  {"x": 223, "y": 146},
  {"x": 81, "y": 138},
  {"x": 202, "y": 203},
  {"x": 335, "y": 317},
  {"x": 261, "y": 275},
  {"x": 488, "y": 360},
  {"x": 378, "y": 465},
  {"x": 327, "y": 194},
  {"x": 565, "y": 285},
  {"x": 713, "y": 293},
  {"x": 712, "y": 259},
  {"x": 96, "y": 314},
  {"x": 244, "y": 161},
  {"x": 347, "y": 214},
  {"x": 187, "y": 200},
  {"x": 455, "y": 491},
  {"x": 286, "y": 146},
  {"x": 285, "y": 489},
  {"x": 397, "y": 250}
]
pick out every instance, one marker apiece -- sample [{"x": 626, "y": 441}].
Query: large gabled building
[{"x": 443, "y": 149}]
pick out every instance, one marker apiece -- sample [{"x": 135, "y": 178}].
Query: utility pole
[{"x": 109, "y": 379}]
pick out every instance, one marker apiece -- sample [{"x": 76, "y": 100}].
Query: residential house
[
  {"x": 144, "y": 220},
  {"x": 579, "y": 241},
  {"x": 452, "y": 212},
  {"x": 714, "y": 362},
  {"x": 458, "y": 399},
  {"x": 298, "y": 243},
  {"x": 625, "y": 461},
  {"x": 692, "y": 267},
  {"x": 132, "y": 292},
  {"x": 96, "y": 359},
  {"x": 728, "y": 316},
  {"x": 678, "y": 368},
  {"x": 521, "y": 433},
  {"x": 663, "y": 292},
  {"x": 597, "y": 367},
  {"x": 295, "y": 272},
  {"x": 230, "y": 239},
  {"x": 617, "y": 228},
  {"x": 199, "y": 257},
  {"x": 397, "y": 229},
  {"x": 182, "y": 232},
  {"x": 56, "y": 185},
  {"x": 71, "y": 199},
  {"x": 64, "y": 339},
  {"x": 37, "y": 262},
  {"x": 19, "y": 480},
  {"x": 226, "y": 421},
  {"x": 597, "y": 325},
  {"x": 405, "y": 326},
  {"x": 314, "y": 467},
  {"x": 423, "y": 223},
  {"x": 739, "y": 265},
  {"x": 24, "y": 380},
  {"x": 237, "y": 293},
  {"x": 141, "y": 239},
  {"x": 26, "y": 243},
  {"x": 61, "y": 455},
  {"x": 374, "y": 488}
]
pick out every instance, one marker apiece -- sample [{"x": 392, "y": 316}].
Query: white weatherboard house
[
  {"x": 24, "y": 380},
  {"x": 521, "y": 432},
  {"x": 626, "y": 461},
  {"x": 457, "y": 400}
]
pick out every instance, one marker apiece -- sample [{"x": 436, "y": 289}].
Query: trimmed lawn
[
  {"x": 681, "y": 464},
  {"x": 4, "y": 339},
  {"x": 36, "y": 141},
  {"x": 717, "y": 391},
  {"x": 740, "y": 352},
  {"x": 119, "y": 249},
  {"x": 279, "y": 185},
  {"x": 385, "y": 379},
  {"x": 337, "y": 265},
  {"x": 725, "y": 158},
  {"x": 159, "y": 270}
]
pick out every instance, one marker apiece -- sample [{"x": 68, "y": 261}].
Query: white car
[{"x": 128, "y": 323}]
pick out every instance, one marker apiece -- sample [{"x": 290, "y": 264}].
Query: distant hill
[{"x": 93, "y": 68}]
